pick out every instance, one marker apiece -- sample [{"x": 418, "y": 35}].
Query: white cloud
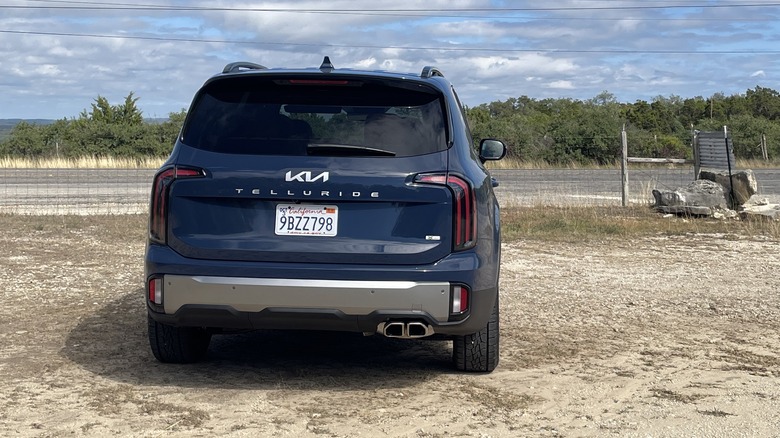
[
  {"x": 499, "y": 54},
  {"x": 561, "y": 85},
  {"x": 523, "y": 65},
  {"x": 366, "y": 64},
  {"x": 41, "y": 70}
]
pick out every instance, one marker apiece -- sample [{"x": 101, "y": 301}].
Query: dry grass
[
  {"x": 572, "y": 224},
  {"x": 757, "y": 164},
  {"x": 155, "y": 162},
  {"x": 516, "y": 163},
  {"x": 541, "y": 223},
  {"x": 81, "y": 163}
]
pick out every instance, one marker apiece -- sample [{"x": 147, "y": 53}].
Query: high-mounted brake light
[
  {"x": 464, "y": 208},
  {"x": 316, "y": 82},
  {"x": 158, "y": 211}
]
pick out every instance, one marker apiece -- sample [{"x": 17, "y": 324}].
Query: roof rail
[
  {"x": 430, "y": 71},
  {"x": 236, "y": 66}
]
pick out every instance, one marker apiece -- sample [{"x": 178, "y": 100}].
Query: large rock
[
  {"x": 745, "y": 184},
  {"x": 766, "y": 211},
  {"x": 700, "y": 198}
]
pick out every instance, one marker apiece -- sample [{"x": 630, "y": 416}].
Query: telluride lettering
[{"x": 310, "y": 193}]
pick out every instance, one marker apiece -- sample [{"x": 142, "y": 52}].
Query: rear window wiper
[{"x": 344, "y": 150}]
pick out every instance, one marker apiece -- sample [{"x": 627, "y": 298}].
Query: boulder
[
  {"x": 745, "y": 184},
  {"x": 765, "y": 211},
  {"x": 699, "y": 198}
]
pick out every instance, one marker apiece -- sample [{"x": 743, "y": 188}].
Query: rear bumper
[
  {"x": 358, "y": 298},
  {"x": 253, "y": 295},
  {"x": 252, "y": 303}
]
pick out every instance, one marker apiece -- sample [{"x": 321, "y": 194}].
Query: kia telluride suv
[{"x": 325, "y": 199}]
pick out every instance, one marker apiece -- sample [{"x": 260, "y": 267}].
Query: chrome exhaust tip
[
  {"x": 410, "y": 330},
  {"x": 418, "y": 330},
  {"x": 393, "y": 329}
]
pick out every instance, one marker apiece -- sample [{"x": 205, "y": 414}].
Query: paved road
[{"x": 119, "y": 191}]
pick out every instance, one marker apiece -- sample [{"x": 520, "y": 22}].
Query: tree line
[
  {"x": 566, "y": 130},
  {"x": 103, "y": 130},
  {"x": 550, "y": 130}
]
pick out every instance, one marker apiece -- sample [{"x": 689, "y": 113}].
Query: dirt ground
[{"x": 661, "y": 337}]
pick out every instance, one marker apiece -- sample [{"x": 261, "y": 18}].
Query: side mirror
[{"x": 490, "y": 150}]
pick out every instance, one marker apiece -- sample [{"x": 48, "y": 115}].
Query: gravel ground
[{"x": 661, "y": 337}]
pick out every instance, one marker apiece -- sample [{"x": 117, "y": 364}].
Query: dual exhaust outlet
[{"x": 406, "y": 330}]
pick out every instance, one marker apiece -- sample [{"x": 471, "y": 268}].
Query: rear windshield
[{"x": 251, "y": 115}]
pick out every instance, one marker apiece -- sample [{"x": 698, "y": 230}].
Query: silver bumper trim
[{"x": 349, "y": 297}]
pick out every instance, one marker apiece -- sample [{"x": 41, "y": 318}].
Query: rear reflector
[
  {"x": 155, "y": 290},
  {"x": 459, "y": 297},
  {"x": 464, "y": 299}
]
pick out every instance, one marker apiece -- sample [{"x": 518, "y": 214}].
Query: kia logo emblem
[{"x": 306, "y": 176}]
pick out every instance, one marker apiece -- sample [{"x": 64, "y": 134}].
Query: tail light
[
  {"x": 464, "y": 208},
  {"x": 158, "y": 213}
]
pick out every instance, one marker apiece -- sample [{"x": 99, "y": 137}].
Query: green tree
[
  {"x": 763, "y": 102},
  {"x": 128, "y": 112},
  {"x": 586, "y": 131},
  {"x": 111, "y": 130},
  {"x": 693, "y": 110},
  {"x": 26, "y": 140},
  {"x": 103, "y": 112}
]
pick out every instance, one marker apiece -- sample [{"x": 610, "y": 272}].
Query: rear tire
[
  {"x": 177, "y": 344},
  {"x": 478, "y": 352}
]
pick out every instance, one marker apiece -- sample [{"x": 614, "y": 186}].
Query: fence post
[
  {"x": 695, "y": 146},
  {"x": 624, "y": 165},
  {"x": 728, "y": 160}
]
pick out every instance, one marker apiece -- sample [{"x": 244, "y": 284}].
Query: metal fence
[
  {"x": 603, "y": 187},
  {"x": 75, "y": 191},
  {"x": 126, "y": 191}
]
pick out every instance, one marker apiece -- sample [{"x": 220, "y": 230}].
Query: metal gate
[{"x": 713, "y": 150}]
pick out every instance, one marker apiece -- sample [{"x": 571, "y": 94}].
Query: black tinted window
[{"x": 251, "y": 115}]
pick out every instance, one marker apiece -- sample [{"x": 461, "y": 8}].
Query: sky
[{"x": 57, "y": 57}]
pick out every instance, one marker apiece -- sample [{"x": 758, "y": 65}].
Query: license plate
[{"x": 306, "y": 220}]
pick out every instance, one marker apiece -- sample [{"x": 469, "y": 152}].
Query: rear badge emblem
[
  {"x": 433, "y": 238},
  {"x": 305, "y": 176}
]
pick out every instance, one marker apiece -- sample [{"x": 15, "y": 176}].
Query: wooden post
[{"x": 624, "y": 165}]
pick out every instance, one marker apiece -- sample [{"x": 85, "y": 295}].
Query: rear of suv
[{"x": 325, "y": 199}]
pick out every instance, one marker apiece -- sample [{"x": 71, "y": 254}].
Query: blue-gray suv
[{"x": 325, "y": 199}]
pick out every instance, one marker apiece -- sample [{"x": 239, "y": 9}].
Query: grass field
[
  {"x": 576, "y": 224},
  {"x": 155, "y": 162},
  {"x": 516, "y": 163},
  {"x": 81, "y": 163},
  {"x": 554, "y": 224}
]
